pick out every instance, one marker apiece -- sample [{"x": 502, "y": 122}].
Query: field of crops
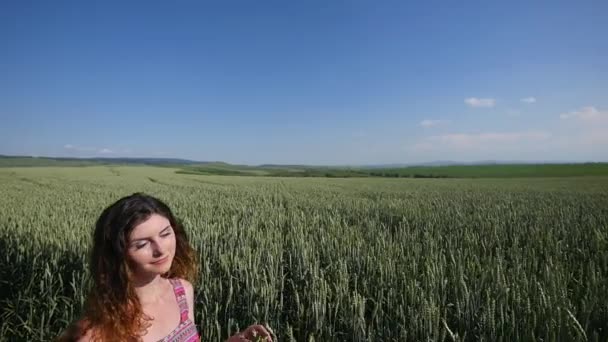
[{"x": 329, "y": 259}]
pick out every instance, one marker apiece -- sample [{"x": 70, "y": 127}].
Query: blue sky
[{"x": 306, "y": 82}]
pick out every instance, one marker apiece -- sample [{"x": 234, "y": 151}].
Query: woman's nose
[{"x": 157, "y": 249}]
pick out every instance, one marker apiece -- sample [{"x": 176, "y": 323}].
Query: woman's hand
[{"x": 253, "y": 333}]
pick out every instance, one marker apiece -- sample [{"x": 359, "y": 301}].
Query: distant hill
[
  {"x": 52, "y": 161},
  {"x": 435, "y": 169},
  {"x": 463, "y": 163}
]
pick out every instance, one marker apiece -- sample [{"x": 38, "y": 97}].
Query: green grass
[
  {"x": 271, "y": 171},
  {"x": 225, "y": 169},
  {"x": 345, "y": 259},
  {"x": 42, "y": 161},
  {"x": 498, "y": 171},
  {"x": 462, "y": 171}
]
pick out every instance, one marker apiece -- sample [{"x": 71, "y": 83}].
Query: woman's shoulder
[
  {"x": 78, "y": 331},
  {"x": 88, "y": 336},
  {"x": 189, "y": 290},
  {"x": 187, "y": 286}
]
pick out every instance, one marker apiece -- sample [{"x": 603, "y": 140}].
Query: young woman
[{"x": 143, "y": 268}]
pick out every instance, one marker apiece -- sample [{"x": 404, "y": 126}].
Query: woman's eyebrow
[{"x": 135, "y": 240}]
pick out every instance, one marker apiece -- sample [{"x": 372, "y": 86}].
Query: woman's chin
[
  {"x": 160, "y": 269},
  {"x": 153, "y": 270}
]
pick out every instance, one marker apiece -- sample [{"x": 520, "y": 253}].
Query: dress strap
[{"x": 180, "y": 296}]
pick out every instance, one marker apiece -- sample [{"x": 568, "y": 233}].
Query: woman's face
[{"x": 151, "y": 246}]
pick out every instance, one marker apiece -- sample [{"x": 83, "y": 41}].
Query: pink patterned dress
[{"x": 186, "y": 330}]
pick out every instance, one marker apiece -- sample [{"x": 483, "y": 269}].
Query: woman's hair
[{"x": 112, "y": 308}]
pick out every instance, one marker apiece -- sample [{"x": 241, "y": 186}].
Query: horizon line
[{"x": 386, "y": 164}]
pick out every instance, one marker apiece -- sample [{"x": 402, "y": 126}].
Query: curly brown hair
[{"x": 112, "y": 308}]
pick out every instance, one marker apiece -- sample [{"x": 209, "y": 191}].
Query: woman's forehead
[{"x": 150, "y": 227}]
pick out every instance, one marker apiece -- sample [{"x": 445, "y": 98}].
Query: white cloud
[
  {"x": 430, "y": 123},
  {"x": 480, "y": 140},
  {"x": 79, "y": 148},
  {"x": 581, "y": 134},
  {"x": 588, "y": 126},
  {"x": 597, "y": 137},
  {"x": 89, "y": 150},
  {"x": 528, "y": 99},
  {"x": 491, "y": 137},
  {"x": 585, "y": 114},
  {"x": 480, "y": 103}
]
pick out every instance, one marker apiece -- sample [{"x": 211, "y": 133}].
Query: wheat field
[{"x": 329, "y": 259}]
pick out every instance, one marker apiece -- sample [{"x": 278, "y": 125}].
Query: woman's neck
[{"x": 149, "y": 289}]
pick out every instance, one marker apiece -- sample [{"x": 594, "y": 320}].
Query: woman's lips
[{"x": 161, "y": 261}]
